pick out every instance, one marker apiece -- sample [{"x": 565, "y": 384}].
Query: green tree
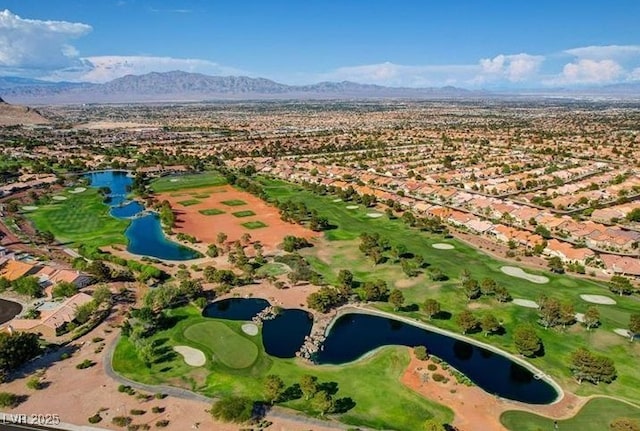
[
  {"x": 555, "y": 264},
  {"x": 396, "y": 298},
  {"x": 549, "y": 311},
  {"x": 16, "y": 349},
  {"x": 421, "y": 353},
  {"x": 308, "y": 386},
  {"x": 213, "y": 250},
  {"x": 526, "y": 340},
  {"x": 634, "y": 326},
  {"x": 273, "y": 387},
  {"x": 323, "y": 402},
  {"x": 567, "y": 314},
  {"x": 99, "y": 270},
  {"x": 489, "y": 324},
  {"x": 471, "y": 289},
  {"x": 102, "y": 295},
  {"x": 345, "y": 280},
  {"x": 591, "y": 367},
  {"x": 431, "y": 307},
  {"x": 620, "y": 285},
  {"x": 233, "y": 409},
  {"x": 591, "y": 317},
  {"x": 221, "y": 237},
  {"x": 28, "y": 286},
  {"x": 502, "y": 294},
  {"x": 64, "y": 289},
  {"x": 85, "y": 311},
  {"x": 488, "y": 286},
  {"x": 466, "y": 321}
]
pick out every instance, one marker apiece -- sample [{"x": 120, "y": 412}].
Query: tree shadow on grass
[
  {"x": 343, "y": 405},
  {"x": 329, "y": 387},
  {"x": 442, "y": 315},
  {"x": 410, "y": 307},
  {"x": 293, "y": 392}
]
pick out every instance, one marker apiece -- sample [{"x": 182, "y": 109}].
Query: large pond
[
  {"x": 8, "y": 310},
  {"x": 144, "y": 233},
  {"x": 282, "y": 337},
  {"x": 354, "y": 334}
]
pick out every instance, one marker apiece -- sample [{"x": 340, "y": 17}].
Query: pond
[
  {"x": 145, "y": 231},
  {"x": 8, "y": 310},
  {"x": 282, "y": 336},
  {"x": 354, "y": 334}
]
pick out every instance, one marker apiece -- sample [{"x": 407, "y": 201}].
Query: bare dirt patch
[
  {"x": 598, "y": 299},
  {"x": 514, "y": 271},
  {"x": 191, "y": 221},
  {"x": 191, "y": 356}
]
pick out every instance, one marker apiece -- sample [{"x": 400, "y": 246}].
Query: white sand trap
[
  {"x": 622, "y": 332},
  {"x": 598, "y": 299},
  {"x": 29, "y": 208},
  {"x": 337, "y": 200},
  {"x": 352, "y": 207},
  {"x": 174, "y": 180},
  {"x": 580, "y": 317},
  {"x": 78, "y": 190},
  {"x": 442, "y": 246},
  {"x": 59, "y": 198},
  {"x": 193, "y": 357},
  {"x": 374, "y": 215},
  {"x": 250, "y": 329},
  {"x": 526, "y": 303},
  {"x": 514, "y": 271}
]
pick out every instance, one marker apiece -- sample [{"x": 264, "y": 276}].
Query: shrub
[
  {"x": 85, "y": 364},
  {"x": 137, "y": 412},
  {"x": 432, "y": 367},
  {"x": 162, "y": 423},
  {"x": 7, "y": 399},
  {"x": 160, "y": 396},
  {"x": 121, "y": 421},
  {"x": 65, "y": 355},
  {"x": 421, "y": 353},
  {"x": 97, "y": 339},
  {"x": 122, "y": 388},
  {"x": 95, "y": 418},
  {"x": 157, "y": 409},
  {"x": 437, "y": 377},
  {"x": 34, "y": 383}
]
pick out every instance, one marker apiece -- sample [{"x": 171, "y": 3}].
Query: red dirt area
[
  {"x": 475, "y": 409},
  {"x": 206, "y": 227}
]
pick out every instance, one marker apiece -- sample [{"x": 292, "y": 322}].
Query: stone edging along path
[{"x": 363, "y": 310}]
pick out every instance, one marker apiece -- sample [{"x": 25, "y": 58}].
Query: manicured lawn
[
  {"x": 192, "y": 181},
  {"x": 245, "y": 213},
  {"x": 381, "y": 402},
  {"x": 596, "y": 415},
  {"x": 211, "y": 211},
  {"x": 254, "y": 224},
  {"x": 81, "y": 219},
  {"x": 273, "y": 268},
  {"x": 233, "y": 350},
  {"x": 340, "y": 251},
  {"x": 189, "y": 202},
  {"x": 234, "y": 202}
]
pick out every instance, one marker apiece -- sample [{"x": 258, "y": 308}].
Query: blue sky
[{"x": 471, "y": 43}]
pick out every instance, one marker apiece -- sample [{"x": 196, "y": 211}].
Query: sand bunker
[
  {"x": 514, "y": 271},
  {"x": 29, "y": 208},
  {"x": 78, "y": 190},
  {"x": 442, "y": 246},
  {"x": 374, "y": 215},
  {"x": 174, "y": 180},
  {"x": 580, "y": 317},
  {"x": 59, "y": 198},
  {"x": 193, "y": 357},
  {"x": 337, "y": 200},
  {"x": 598, "y": 299},
  {"x": 352, "y": 207},
  {"x": 526, "y": 303},
  {"x": 250, "y": 329},
  {"x": 622, "y": 332}
]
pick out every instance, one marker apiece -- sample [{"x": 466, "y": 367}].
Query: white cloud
[
  {"x": 586, "y": 71},
  {"x": 105, "y": 68},
  {"x": 605, "y": 52},
  {"x": 36, "y": 44},
  {"x": 514, "y": 68}
]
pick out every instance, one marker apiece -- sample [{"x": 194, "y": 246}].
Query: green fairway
[
  {"x": 81, "y": 219},
  {"x": 191, "y": 181},
  {"x": 189, "y": 202},
  {"x": 381, "y": 401},
  {"x": 234, "y": 202},
  {"x": 245, "y": 213},
  {"x": 211, "y": 211},
  {"x": 340, "y": 251},
  {"x": 233, "y": 350},
  {"x": 596, "y": 415},
  {"x": 254, "y": 224}
]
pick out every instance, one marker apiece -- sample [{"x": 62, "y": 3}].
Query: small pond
[
  {"x": 145, "y": 231},
  {"x": 354, "y": 334}
]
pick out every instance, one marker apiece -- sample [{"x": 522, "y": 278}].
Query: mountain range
[
  {"x": 183, "y": 86},
  {"x": 178, "y": 86}
]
